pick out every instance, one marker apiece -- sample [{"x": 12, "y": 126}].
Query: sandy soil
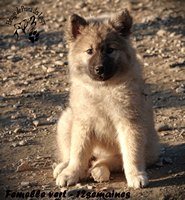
[{"x": 34, "y": 90}]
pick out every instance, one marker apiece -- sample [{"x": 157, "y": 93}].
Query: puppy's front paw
[
  {"x": 100, "y": 174},
  {"x": 67, "y": 177},
  {"x": 59, "y": 168},
  {"x": 139, "y": 180}
]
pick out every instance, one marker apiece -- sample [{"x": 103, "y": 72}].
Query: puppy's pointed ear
[
  {"x": 74, "y": 26},
  {"x": 122, "y": 22}
]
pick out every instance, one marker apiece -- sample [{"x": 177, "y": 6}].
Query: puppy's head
[{"x": 99, "y": 48}]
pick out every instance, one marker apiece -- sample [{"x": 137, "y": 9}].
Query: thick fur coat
[{"x": 108, "y": 125}]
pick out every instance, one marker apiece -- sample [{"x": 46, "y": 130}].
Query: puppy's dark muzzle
[{"x": 99, "y": 70}]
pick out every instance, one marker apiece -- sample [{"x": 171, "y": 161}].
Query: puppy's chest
[
  {"x": 103, "y": 125},
  {"x": 104, "y": 107},
  {"x": 106, "y": 99}
]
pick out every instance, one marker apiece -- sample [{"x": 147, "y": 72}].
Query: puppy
[{"x": 109, "y": 116}]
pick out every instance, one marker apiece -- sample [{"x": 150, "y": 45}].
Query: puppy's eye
[
  {"x": 89, "y": 51},
  {"x": 109, "y": 50}
]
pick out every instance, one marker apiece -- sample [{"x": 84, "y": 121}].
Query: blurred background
[{"x": 34, "y": 89}]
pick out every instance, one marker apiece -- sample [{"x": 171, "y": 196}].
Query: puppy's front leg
[
  {"x": 80, "y": 153},
  {"x": 132, "y": 141}
]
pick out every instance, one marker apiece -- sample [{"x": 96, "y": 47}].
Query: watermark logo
[{"x": 27, "y": 22}]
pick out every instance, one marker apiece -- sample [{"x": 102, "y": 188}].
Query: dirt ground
[{"x": 34, "y": 90}]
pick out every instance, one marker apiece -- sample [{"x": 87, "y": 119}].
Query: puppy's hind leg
[
  {"x": 101, "y": 168},
  {"x": 63, "y": 141}
]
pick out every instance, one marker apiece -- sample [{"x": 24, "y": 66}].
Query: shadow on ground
[{"x": 160, "y": 177}]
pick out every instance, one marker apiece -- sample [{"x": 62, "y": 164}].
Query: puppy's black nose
[{"x": 99, "y": 70}]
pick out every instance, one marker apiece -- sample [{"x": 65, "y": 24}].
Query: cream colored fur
[{"x": 110, "y": 120}]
